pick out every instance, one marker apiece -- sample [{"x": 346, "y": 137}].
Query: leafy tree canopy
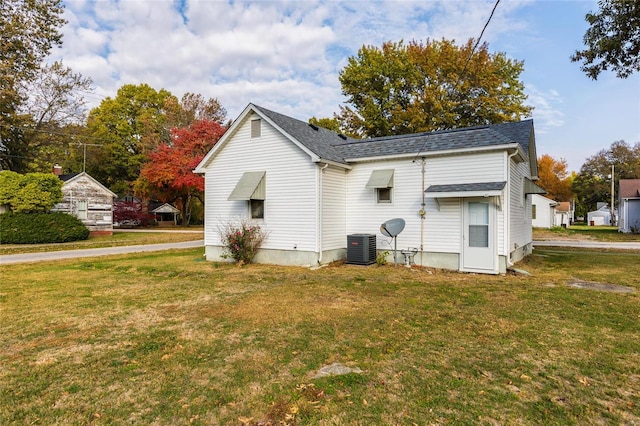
[
  {"x": 593, "y": 183},
  {"x": 554, "y": 178},
  {"x": 168, "y": 176},
  {"x": 612, "y": 40},
  {"x": 127, "y": 128},
  {"x": 398, "y": 88},
  {"x": 327, "y": 123},
  {"x": 30, "y": 193},
  {"x": 29, "y": 29}
]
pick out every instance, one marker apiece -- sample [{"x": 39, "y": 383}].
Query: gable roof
[
  {"x": 327, "y": 145},
  {"x": 629, "y": 188},
  {"x": 72, "y": 177}
]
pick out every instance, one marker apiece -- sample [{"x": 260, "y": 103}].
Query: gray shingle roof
[
  {"x": 467, "y": 187},
  {"x": 329, "y": 145}
]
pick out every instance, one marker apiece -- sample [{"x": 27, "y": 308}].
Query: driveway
[
  {"x": 104, "y": 251},
  {"x": 589, "y": 244}
]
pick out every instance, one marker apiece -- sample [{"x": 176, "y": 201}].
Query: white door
[{"x": 479, "y": 252}]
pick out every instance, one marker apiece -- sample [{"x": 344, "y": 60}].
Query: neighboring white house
[
  {"x": 463, "y": 193},
  {"x": 88, "y": 200},
  {"x": 543, "y": 211},
  {"x": 565, "y": 211},
  {"x": 629, "y": 205}
]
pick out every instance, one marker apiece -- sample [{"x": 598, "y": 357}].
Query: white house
[
  {"x": 463, "y": 193},
  {"x": 600, "y": 216},
  {"x": 543, "y": 211},
  {"x": 565, "y": 212},
  {"x": 88, "y": 200},
  {"x": 629, "y": 205}
]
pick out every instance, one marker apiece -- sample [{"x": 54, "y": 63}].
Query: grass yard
[
  {"x": 167, "y": 338},
  {"x": 584, "y": 232},
  {"x": 115, "y": 240}
]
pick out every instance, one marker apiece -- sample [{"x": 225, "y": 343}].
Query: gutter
[{"x": 515, "y": 146}]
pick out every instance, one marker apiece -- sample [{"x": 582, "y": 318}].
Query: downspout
[
  {"x": 320, "y": 190},
  {"x": 507, "y": 207},
  {"x": 422, "y": 214}
]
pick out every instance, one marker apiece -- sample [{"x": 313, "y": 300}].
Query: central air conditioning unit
[{"x": 361, "y": 249}]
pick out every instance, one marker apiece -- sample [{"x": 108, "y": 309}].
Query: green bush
[{"x": 38, "y": 228}]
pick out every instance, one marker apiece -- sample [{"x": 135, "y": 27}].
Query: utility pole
[
  {"x": 613, "y": 170},
  {"x": 84, "y": 153}
]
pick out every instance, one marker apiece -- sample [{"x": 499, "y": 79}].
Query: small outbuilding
[
  {"x": 88, "y": 200},
  {"x": 599, "y": 217}
]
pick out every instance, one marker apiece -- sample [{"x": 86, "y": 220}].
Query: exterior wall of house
[
  {"x": 520, "y": 239},
  {"x": 334, "y": 212},
  {"x": 290, "y": 214},
  {"x": 545, "y": 213},
  {"x": 89, "y": 202},
  {"x": 439, "y": 234},
  {"x": 629, "y": 218}
]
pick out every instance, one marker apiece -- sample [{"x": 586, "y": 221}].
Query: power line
[{"x": 464, "y": 69}]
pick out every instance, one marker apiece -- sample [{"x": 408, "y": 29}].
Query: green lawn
[
  {"x": 584, "y": 232},
  {"x": 167, "y": 338},
  {"x": 115, "y": 240}
]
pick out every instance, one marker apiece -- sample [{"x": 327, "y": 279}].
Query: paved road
[
  {"x": 589, "y": 244},
  {"x": 72, "y": 254}
]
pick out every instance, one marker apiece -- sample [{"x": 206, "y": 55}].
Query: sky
[{"x": 287, "y": 55}]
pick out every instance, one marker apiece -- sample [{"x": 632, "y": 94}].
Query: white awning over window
[
  {"x": 251, "y": 186},
  {"x": 381, "y": 179}
]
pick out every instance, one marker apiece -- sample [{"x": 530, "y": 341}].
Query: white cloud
[
  {"x": 286, "y": 55},
  {"x": 547, "y": 112}
]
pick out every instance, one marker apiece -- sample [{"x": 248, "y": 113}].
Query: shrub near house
[{"x": 27, "y": 201}]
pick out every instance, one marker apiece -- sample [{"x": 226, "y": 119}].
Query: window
[
  {"x": 256, "y": 128},
  {"x": 256, "y": 208},
  {"x": 478, "y": 224},
  {"x": 382, "y": 182},
  {"x": 383, "y": 195},
  {"x": 533, "y": 211},
  {"x": 251, "y": 188},
  {"x": 82, "y": 210}
]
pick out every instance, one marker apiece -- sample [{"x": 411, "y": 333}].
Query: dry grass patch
[{"x": 166, "y": 338}]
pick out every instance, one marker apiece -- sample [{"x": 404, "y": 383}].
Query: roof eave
[{"x": 442, "y": 153}]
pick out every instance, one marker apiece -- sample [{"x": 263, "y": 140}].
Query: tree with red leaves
[{"x": 168, "y": 176}]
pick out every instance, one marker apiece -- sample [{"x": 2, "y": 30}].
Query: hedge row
[{"x": 39, "y": 228}]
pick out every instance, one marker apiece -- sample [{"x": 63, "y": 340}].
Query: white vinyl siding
[
  {"x": 443, "y": 220},
  {"x": 290, "y": 201},
  {"x": 520, "y": 207},
  {"x": 334, "y": 221}
]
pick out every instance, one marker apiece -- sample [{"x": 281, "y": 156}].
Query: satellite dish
[{"x": 392, "y": 227}]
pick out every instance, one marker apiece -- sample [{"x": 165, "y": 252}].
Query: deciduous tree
[
  {"x": 128, "y": 127},
  {"x": 168, "y": 175},
  {"x": 29, "y": 29},
  {"x": 29, "y": 193},
  {"x": 398, "y": 88},
  {"x": 593, "y": 183},
  {"x": 555, "y": 178},
  {"x": 612, "y": 39}
]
